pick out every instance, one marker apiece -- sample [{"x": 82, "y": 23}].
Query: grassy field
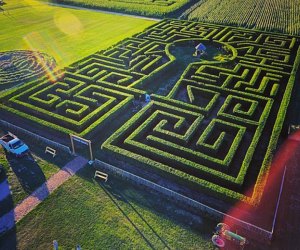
[
  {"x": 160, "y": 8},
  {"x": 66, "y": 34},
  {"x": 110, "y": 216},
  {"x": 270, "y": 15},
  {"x": 113, "y": 216},
  {"x": 26, "y": 174}
]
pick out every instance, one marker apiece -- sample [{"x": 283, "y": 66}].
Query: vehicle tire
[{"x": 218, "y": 241}]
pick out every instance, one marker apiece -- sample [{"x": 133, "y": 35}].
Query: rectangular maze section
[
  {"x": 220, "y": 123},
  {"x": 217, "y": 127},
  {"x": 213, "y": 147},
  {"x": 71, "y": 105}
]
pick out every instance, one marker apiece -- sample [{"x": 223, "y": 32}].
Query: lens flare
[
  {"x": 263, "y": 216},
  {"x": 68, "y": 23},
  {"x": 35, "y": 42}
]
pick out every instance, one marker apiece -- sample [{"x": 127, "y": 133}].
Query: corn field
[
  {"x": 269, "y": 15},
  {"x": 155, "y": 8}
]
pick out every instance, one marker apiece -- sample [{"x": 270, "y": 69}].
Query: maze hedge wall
[{"x": 217, "y": 128}]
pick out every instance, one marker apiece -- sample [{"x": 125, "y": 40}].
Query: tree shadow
[
  {"x": 8, "y": 234},
  {"x": 111, "y": 196},
  {"x": 119, "y": 192},
  {"x": 123, "y": 197},
  {"x": 4, "y": 12},
  {"x": 8, "y": 237},
  {"x": 116, "y": 196}
]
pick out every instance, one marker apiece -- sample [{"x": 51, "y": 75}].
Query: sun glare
[
  {"x": 36, "y": 42},
  {"x": 68, "y": 23}
]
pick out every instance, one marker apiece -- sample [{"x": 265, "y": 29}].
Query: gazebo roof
[{"x": 200, "y": 46}]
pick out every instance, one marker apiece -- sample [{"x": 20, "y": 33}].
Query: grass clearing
[
  {"x": 66, "y": 34},
  {"x": 112, "y": 216},
  {"x": 26, "y": 174}
]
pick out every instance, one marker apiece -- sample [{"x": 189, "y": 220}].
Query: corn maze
[
  {"x": 156, "y": 8},
  {"x": 150, "y": 2},
  {"x": 21, "y": 66},
  {"x": 217, "y": 128}
]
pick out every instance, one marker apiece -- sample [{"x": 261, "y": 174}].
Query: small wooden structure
[
  {"x": 101, "y": 175},
  {"x": 50, "y": 151},
  {"x": 83, "y": 141}
]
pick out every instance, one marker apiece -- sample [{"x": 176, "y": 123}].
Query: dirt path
[{"x": 28, "y": 204}]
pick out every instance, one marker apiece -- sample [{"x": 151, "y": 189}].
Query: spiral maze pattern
[
  {"x": 216, "y": 127},
  {"x": 22, "y": 66}
]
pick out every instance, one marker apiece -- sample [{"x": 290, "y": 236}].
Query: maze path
[{"x": 217, "y": 127}]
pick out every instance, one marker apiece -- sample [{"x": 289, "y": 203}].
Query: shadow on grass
[
  {"x": 111, "y": 196},
  {"x": 27, "y": 171},
  {"x": 5, "y": 12},
  {"x": 8, "y": 241},
  {"x": 111, "y": 192},
  {"x": 159, "y": 204},
  {"x": 128, "y": 198},
  {"x": 60, "y": 160},
  {"x": 30, "y": 177},
  {"x": 8, "y": 238},
  {"x": 117, "y": 197}
]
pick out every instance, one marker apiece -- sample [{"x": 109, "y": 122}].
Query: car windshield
[{"x": 17, "y": 144}]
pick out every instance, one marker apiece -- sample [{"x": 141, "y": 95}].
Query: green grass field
[
  {"x": 26, "y": 174},
  {"x": 17, "y": 189},
  {"x": 66, "y": 34},
  {"x": 113, "y": 216}
]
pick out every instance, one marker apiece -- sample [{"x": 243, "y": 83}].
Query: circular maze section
[{"x": 22, "y": 66}]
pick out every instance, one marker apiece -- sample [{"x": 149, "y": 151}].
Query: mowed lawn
[
  {"x": 108, "y": 216},
  {"x": 66, "y": 34}
]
